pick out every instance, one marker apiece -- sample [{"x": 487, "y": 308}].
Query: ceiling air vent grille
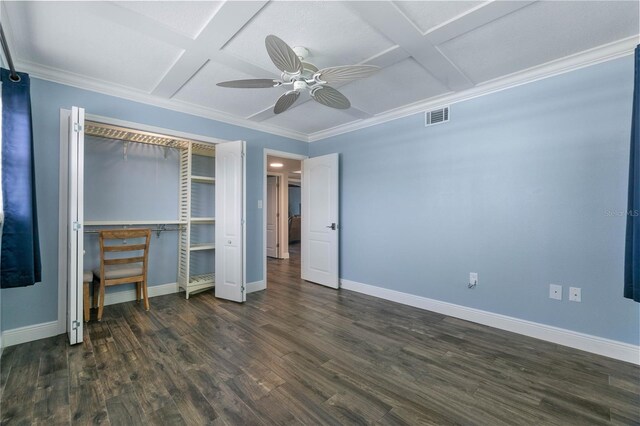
[{"x": 436, "y": 116}]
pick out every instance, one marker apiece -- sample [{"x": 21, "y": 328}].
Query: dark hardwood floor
[{"x": 303, "y": 354}]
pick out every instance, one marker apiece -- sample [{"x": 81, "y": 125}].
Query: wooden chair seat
[{"x": 112, "y": 272}]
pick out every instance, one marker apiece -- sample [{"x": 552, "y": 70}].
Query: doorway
[{"x": 282, "y": 211}]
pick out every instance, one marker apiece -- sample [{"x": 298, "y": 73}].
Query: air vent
[{"x": 436, "y": 116}]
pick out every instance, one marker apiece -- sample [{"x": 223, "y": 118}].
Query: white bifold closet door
[
  {"x": 320, "y": 233},
  {"x": 75, "y": 237},
  {"x": 230, "y": 238}
]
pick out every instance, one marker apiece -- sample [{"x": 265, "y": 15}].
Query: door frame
[
  {"x": 63, "y": 193},
  {"x": 275, "y": 153},
  {"x": 281, "y": 223}
]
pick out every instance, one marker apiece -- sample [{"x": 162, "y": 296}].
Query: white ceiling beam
[
  {"x": 390, "y": 21},
  {"x": 356, "y": 112},
  {"x": 226, "y": 23},
  {"x": 473, "y": 19}
]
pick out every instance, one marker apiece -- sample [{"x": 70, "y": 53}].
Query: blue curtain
[
  {"x": 20, "y": 259},
  {"x": 632, "y": 248}
]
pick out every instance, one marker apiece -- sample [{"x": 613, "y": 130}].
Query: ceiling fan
[{"x": 303, "y": 76}]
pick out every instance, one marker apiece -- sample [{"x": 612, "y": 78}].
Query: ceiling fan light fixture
[{"x": 299, "y": 85}]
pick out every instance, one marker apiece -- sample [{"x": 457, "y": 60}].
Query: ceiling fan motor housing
[{"x": 299, "y": 85}]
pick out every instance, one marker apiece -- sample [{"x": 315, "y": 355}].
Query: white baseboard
[
  {"x": 29, "y": 333},
  {"x": 597, "y": 345},
  {"x": 286, "y": 255},
  {"x": 130, "y": 295},
  {"x": 256, "y": 286}
]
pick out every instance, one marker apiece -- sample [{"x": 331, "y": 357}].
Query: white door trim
[
  {"x": 274, "y": 153},
  {"x": 282, "y": 210},
  {"x": 266, "y": 206}
]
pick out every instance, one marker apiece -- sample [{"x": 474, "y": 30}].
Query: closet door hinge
[
  {"x": 77, "y": 127},
  {"x": 242, "y": 288},
  {"x": 75, "y": 325},
  {"x": 77, "y": 226}
]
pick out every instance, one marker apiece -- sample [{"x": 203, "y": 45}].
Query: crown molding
[
  {"x": 574, "y": 62},
  {"x": 112, "y": 89}
]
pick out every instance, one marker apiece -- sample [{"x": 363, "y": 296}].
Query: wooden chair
[{"x": 122, "y": 270}]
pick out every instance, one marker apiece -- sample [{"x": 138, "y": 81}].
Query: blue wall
[
  {"x": 516, "y": 187},
  {"x": 37, "y": 304}
]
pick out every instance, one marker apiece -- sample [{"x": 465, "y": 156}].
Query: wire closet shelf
[{"x": 109, "y": 131}]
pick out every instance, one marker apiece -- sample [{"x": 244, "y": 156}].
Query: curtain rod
[{"x": 7, "y": 54}]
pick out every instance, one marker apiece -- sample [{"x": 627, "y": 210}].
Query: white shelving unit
[{"x": 192, "y": 283}]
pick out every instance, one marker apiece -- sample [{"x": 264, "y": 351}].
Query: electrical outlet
[
  {"x": 473, "y": 279},
  {"x": 555, "y": 291},
  {"x": 575, "y": 294}
]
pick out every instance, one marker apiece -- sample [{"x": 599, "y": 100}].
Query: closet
[{"x": 195, "y": 197}]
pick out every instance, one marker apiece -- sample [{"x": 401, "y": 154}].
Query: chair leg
[
  {"x": 138, "y": 288},
  {"x": 85, "y": 304},
  {"x": 96, "y": 289},
  {"x": 145, "y": 291},
  {"x": 101, "y": 307}
]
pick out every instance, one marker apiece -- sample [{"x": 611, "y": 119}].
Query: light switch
[{"x": 259, "y": 204}]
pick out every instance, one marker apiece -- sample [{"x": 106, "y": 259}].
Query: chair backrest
[{"x": 124, "y": 234}]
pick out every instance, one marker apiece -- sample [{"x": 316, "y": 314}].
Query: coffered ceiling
[{"x": 173, "y": 53}]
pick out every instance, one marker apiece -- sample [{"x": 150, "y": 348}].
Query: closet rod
[{"x": 7, "y": 54}]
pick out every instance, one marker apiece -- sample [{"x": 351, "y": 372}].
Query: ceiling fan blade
[
  {"x": 257, "y": 83},
  {"x": 346, "y": 73},
  {"x": 283, "y": 57},
  {"x": 285, "y": 101},
  {"x": 330, "y": 97}
]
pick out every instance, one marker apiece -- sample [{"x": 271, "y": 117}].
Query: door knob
[{"x": 332, "y": 226}]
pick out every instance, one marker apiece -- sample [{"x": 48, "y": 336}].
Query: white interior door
[
  {"x": 272, "y": 216},
  {"x": 230, "y": 221},
  {"x": 320, "y": 242},
  {"x": 75, "y": 224}
]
